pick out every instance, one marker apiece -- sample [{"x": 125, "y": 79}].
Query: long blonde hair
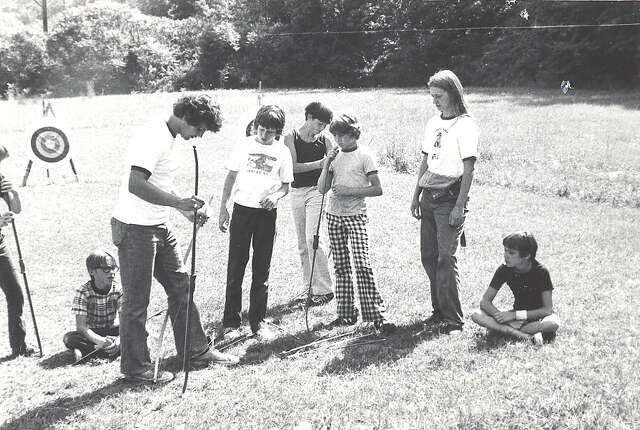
[{"x": 448, "y": 81}]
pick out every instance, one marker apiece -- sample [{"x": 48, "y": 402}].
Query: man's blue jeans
[
  {"x": 15, "y": 300},
  {"x": 146, "y": 252},
  {"x": 438, "y": 246}
]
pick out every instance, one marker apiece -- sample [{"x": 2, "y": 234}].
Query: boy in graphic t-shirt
[
  {"x": 532, "y": 316},
  {"x": 260, "y": 171}
]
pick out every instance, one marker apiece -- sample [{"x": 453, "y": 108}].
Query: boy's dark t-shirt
[{"x": 527, "y": 287}]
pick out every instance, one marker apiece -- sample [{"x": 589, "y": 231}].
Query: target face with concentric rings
[{"x": 50, "y": 144}]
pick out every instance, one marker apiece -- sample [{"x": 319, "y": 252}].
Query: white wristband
[{"x": 521, "y": 315}]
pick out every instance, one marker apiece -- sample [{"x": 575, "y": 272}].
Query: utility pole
[
  {"x": 45, "y": 25},
  {"x": 45, "y": 21}
]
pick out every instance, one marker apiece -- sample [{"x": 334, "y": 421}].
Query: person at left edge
[
  {"x": 8, "y": 277},
  {"x": 147, "y": 246}
]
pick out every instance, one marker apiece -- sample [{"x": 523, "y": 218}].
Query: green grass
[{"x": 587, "y": 379}]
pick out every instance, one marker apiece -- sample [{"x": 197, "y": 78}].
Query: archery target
[{"x": 50, "y": 144}]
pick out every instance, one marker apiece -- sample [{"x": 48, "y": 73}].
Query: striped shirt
[{"x": 100, "y": 309}]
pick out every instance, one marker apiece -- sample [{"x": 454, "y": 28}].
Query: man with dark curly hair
[{"x": 147, "y": 246}]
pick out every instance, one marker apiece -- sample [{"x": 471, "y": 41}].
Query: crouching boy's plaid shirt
[{"x": 99, "y": 308}]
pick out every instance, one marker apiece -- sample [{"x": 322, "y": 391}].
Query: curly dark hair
[{"x": 197, "y": 110}]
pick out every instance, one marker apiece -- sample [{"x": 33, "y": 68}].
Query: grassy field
[{"x": 564, "y": 167}]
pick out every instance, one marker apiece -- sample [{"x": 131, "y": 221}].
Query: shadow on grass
[
  {"x": 49, "y": 414},
  {"x": 353, "y": 342},
  {"x": 274, "y": 313},
  {"x": 59, "y": 359},
  {"x": 401, "y": 343}
]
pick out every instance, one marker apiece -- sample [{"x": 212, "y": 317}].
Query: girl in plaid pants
[{"x": 351, "y": 173}]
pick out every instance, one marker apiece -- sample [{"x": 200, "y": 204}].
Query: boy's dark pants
[
  {"x": 438, "y": 246},
  {"x": 75, "y": 339},
  {"x": 257, "y": 228},
  {"x": 15, "y": 300}
]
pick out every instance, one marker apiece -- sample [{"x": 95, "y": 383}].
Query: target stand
[{"x": 50, "y": 145}]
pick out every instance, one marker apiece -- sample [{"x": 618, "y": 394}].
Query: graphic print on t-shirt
[{"x": 261, "y": 164}]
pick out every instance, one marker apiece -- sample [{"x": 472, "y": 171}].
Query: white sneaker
[
  {"x": 537, "y": 339},
  {"x": 214, "y": 357},
  {"x": 264, "y": 334}
]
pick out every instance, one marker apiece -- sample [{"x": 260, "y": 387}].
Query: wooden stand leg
[
  {"x": 26, "y": 173},
  {"x": 73, "y": 168}
]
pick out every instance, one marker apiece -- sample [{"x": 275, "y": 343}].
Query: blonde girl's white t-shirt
[
  {"x": 262, "y": 169},
  {"x": 153, "y": 148},
  {"x": 449, "y": 141},
  {"x": 351, "y": 169}
]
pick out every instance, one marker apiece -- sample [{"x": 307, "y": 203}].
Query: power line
[{"x": 450, "y": 29}]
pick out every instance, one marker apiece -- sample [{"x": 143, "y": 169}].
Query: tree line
[{"x": 124, "y": 46}]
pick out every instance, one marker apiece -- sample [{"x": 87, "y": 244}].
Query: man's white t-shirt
[
  {"x": 448, "y": 142},
  {"x": 153, "y": 148},
  {"x": 262, "y": 169}
]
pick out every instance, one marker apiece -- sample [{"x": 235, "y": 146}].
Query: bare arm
[
  {"x": 456, "y": 218},
  {"x": 271, "y": 200},
  {"x": 139, "y": 186},
  {"x": 11, "y": 196},
  {"x": 415, "y": 199},
  {"x": 81, "y": 326},
  {"x": 223, "y": 219},
  {"x": 300, "y": 167},
  {"x": 486, "y": 303},
  {"x": 545, "y": 310},
  {"x": 326, "y": 176},
  {"x": 372, "y": 190}
]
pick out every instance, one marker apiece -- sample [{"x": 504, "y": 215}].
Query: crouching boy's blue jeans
[{"x": 145, "y": 252}]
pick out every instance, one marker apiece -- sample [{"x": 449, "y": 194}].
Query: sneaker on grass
[
  {"x": 446, "y": 327},
  {"x": 264, "y": 334},
  {"x": 231, "y": 333},
  {"x": 213, "y": 356},
  {"x": 537, "y": 339},
  {"x": 319, "y": 300},
  {"x": 384, "y": 327},
  {"x": 343, "y": 322},
  {"x": 77, "y": 355},
  {"x": 147, "y": 377}
]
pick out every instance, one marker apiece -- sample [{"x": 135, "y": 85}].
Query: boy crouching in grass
[
  {"x": 96, "y": 305},
  {"x": 532, "y": 316},
  {"x": 351, "y": 173}
]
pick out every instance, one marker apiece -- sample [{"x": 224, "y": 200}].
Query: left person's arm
[
  {"x": 10, "y": 195},
  {"x": 456, "y": 217},
  {"x": 372, "y": 190}
]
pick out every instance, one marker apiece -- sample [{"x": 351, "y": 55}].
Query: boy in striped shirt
[{"x": 96, "y": 306}]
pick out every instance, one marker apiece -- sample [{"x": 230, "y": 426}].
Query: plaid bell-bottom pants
[{"x": 342, "y": 231}]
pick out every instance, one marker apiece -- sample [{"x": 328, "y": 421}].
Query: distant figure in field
[
  {"x": 309, "y": 147},
  {"x": 450, "y": 149},
  {"x": 531, "y": 317},
  {"x": 259, "y": 174},
  {"x": 8, "y": 276},
  {"x": 350, "y": 171},
  {"x": 147, "y": 246},
  {"x": 96, "y": 305}
]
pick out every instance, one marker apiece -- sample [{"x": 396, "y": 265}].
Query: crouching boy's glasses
[{"x": 109, "y": 269}]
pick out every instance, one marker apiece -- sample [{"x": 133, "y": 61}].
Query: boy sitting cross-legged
[
  {"x": 532, "y": 314},
  {"x": 96, "y": 306}
]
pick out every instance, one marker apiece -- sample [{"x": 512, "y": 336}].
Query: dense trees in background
[{"x": 122, "y": 46}]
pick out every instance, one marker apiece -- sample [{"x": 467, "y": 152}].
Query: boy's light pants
[{"x": 306, "y": 205}]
